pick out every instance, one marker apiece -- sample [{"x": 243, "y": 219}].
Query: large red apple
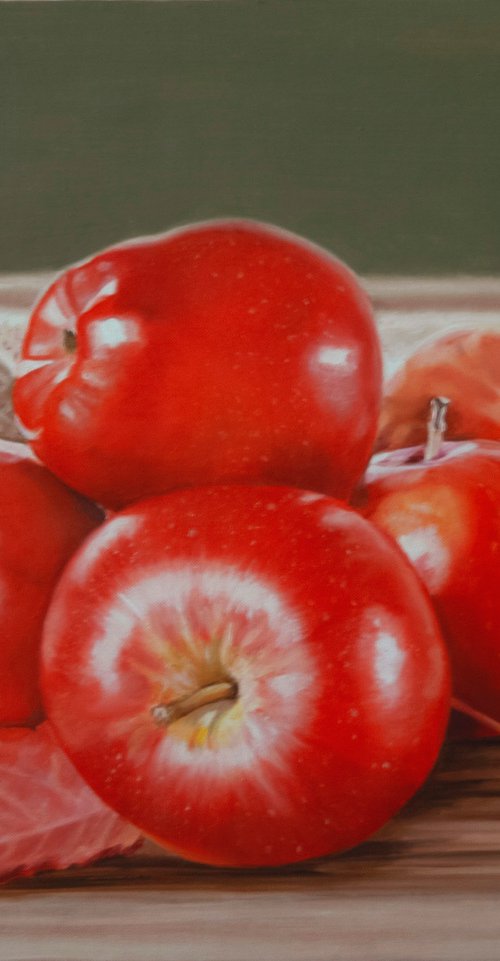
[
  {"x": 223, "y": 351},
  {"x": 463, "y": 366},
  {"x": 444, "y": 512},
  {"x": 251, "y": 675},
  {"x": 42, "y": 523}
]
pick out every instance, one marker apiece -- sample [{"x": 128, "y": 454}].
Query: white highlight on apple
[
  {"x": 54, "y": 313},
  {"x": 389, "y": 659},
  {"x": 111, "y": 332},
  {"x": 337, "y": 357},
  {"x": 310, "y": 497},
  {"x": 98, "y": 544},
  {"x": 340, "y": 362},
  {"x": 25, "y": 366},
  {"x": 108, "y": 289},
  {"x": 428, "y": 553},
  {"x": 115, "y": 630},
  {"x": 380, "y": 630}
]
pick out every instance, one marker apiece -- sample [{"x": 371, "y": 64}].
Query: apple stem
[
  {"x": 436, "y": 427},
  {"x": 165, "y": 714},
  {"x": 471, "y": 712}
]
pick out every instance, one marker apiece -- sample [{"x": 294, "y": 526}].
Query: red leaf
[{"x": 49, "y": 817}]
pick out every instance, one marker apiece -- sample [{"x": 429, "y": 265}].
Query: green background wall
[{"x": 372, "y": 126}]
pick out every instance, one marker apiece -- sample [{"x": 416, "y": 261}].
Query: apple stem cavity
[
  {"x": 436, "y": 427},
  {"x": 165, "y": 714}
]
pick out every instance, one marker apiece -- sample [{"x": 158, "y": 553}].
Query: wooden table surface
[{"x": 425, "y": 888}]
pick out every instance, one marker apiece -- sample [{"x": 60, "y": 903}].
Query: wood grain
[
  {"x": 425, "y": 888},
  {"x": 453, "y": 822}
]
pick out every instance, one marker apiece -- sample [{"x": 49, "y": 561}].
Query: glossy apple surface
[
  {"x": 252, "y": 676},
  {"x": 223, "y": 351},
  {"x": 445, "y": 515},
  {"x": 42, "y": 523},
  {"x": 463, "y": 366}
]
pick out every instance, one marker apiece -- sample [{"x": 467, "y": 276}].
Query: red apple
[
  {"x": 49, "y": 817},
  {"x": 463, "y": 366},
  {"x": 42, "y": 523},
  {"x": 223, "y": 351},
  {"x": 252, "y": 676},
  {"x": 444, "y": 512}
]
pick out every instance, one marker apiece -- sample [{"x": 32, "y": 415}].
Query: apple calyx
[
  {"x": 69, "y": 341},
  {"x": 436, "y": 427},
  {"x": 165, "y": 714}
]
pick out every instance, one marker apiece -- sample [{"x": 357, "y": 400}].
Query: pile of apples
[{"x": 248, "y": 649}]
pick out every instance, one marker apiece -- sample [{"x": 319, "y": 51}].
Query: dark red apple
[
  {"x": 42, "y": 523},
  {"x": 49, "y": 817}
]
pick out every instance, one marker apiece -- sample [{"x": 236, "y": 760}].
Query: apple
[
  {"x": 251, "y": 675},
  {"x": 223, "y": 351},
  {"x": 461, "y": 365},
  {"x": 42, "y": 523},
  {"x": 49, "y": 817},
  {"x": 441, "y": 503}
]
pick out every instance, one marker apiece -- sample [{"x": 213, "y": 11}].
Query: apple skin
[
  {"x": 461, "y": 365},
  {"x": 445, "y": 514},
  {"x": 226, "y": 351},
  {"x": 42, "y": 523},
  {"x": 341, "y": 676}
]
